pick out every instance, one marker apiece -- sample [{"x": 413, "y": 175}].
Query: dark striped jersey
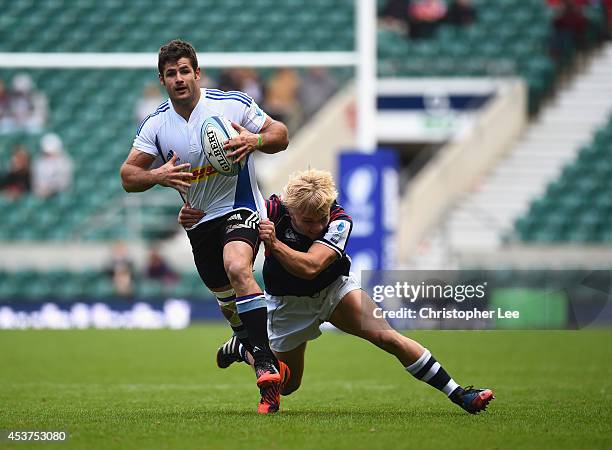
[{"x": 277, "y": 279}]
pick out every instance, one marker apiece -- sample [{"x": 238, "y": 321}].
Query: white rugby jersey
[{"x": 164, "y": 132}]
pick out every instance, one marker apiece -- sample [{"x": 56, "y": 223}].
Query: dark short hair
[{"x": 175, "y": 50}]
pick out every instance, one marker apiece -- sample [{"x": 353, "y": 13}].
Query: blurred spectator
[
  {"x": 150, "y": 100},
  {"x": 569, "y": 29},
  {"x": 53, "y": 169},
  {"x": 121, "y": 270},
  {"x": 16, "y": 181},
  {"x": 425, "y": 16},
  {"x": 316, "y": 87},
  {"x": 228, "y": 80},
  {"x": 395, "y": 16},
  {"x": 5, "y": 108},
  {"x": 280, "y": 99},
  {"x": 205, "y": 80},
  {"x": 159, "y": 269},
  {"x": 28, "y": 107},
  {"x": 461, "y": 13},
  {"x": 607, "y": 7},
  {"x": 248, "y": 80}
]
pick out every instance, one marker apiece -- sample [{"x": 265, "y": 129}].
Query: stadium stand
[
  {"x": 509, "y": 37},
  {"x": 93, "y": 285},
  {"x": 93, "y": 110},
  {"x": 495, "y": 215},
  {"x": 97, "y": 147},
  {"x": 577, "y": 206},
  {"x": 116, "y": 26},
  {"x": 97, "y": 134},
  {"x": 487, "y": 47}
]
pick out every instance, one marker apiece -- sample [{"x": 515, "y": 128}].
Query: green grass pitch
[{"x": 161, "y": 390}]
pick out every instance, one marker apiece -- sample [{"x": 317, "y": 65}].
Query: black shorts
[{"x": 209, "y": 238}]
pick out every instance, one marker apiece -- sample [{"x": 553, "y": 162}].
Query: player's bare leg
[
  {"x": 355, "y": 315},
  {"x": 238, "y": 263},
  {"x": 294, "y": 360}
]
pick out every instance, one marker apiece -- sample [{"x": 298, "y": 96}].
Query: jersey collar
[{"x": 193, "y": 115}]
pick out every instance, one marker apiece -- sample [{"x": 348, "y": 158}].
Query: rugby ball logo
[{"x": 216, "y": 130}]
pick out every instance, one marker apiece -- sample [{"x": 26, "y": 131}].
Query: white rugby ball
[{"x": 216, "y": 130}]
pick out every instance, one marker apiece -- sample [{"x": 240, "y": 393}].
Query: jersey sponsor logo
[
  {"x": 203, "y": 172},
  {"x": 290, "y": 235},
  {"x": 236, "y": 216},
  {"x": 338, "y": 232},
  {"x": 337, "y": 227}
]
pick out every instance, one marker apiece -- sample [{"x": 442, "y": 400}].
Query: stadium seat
[{"x": 576, "y": 207}]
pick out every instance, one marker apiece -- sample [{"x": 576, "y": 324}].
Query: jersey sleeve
[
  {"x": 146, "y": 137},
  {"x": 338, "y": 231},
  {"x": 254, "y": 118},
  {"x": 273, "y": 207}
]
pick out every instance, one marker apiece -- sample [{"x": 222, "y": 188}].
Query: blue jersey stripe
[
  {"x": 162, "y": 105},
  {"x": 247, "y": 99},
  {"x": 244, "y": 193},
  {"x": 238, "y": 99},
  {"x": 158, "y": 111},
  {"x": 238, "y": 93}
]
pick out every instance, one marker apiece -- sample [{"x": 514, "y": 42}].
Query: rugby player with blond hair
[{"x": 308, "y": 282}]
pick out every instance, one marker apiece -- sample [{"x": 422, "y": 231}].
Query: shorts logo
[
  {"x": 250, "y": 222},
  {"x": 253, "y": 220}
]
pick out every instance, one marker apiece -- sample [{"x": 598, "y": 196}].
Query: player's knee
[{"x": 238, "y": 272}]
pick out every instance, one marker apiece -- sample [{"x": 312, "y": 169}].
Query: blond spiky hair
[{"x": 310, "y": 190}]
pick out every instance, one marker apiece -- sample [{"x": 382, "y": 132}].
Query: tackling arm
[{"x": 305, "y": 265}]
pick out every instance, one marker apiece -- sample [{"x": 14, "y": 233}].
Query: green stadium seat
[
  {"x": 100, "y": 289},
  {"x": 577, "y": 207},
  {"x": 150, "y": 289}
]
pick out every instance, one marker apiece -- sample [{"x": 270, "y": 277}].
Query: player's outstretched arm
[
  {"x": 137, "y": 177},
  {"x": 272, "y": 138},
  {"x": 305, "y": 265}
]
